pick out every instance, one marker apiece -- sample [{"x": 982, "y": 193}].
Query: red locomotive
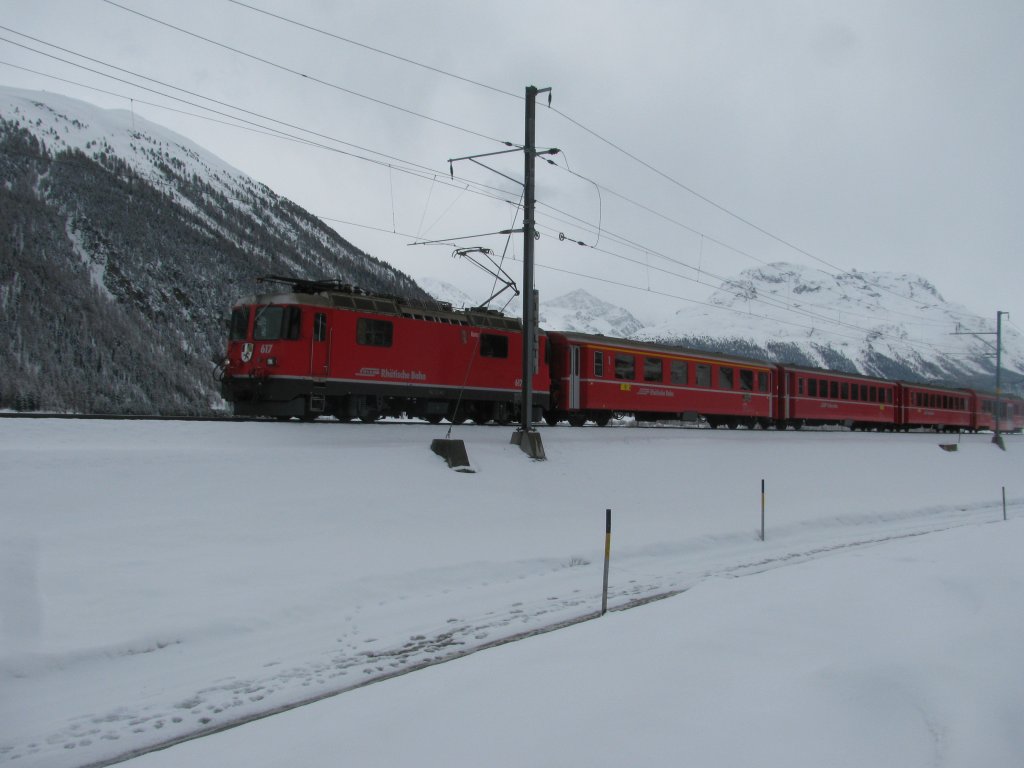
[{"x": 325, "y": 348}]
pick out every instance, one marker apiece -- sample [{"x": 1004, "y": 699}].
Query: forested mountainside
[{"x": 121, "y": 250}]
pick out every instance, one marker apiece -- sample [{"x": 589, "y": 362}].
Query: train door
[
  {"x": 319, "y": 357},
  {"x": 574, "y": 377}
]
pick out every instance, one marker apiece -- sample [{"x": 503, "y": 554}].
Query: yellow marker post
[
  {"x": 762, "y": 509},
  {"x": 607, "y": 556}
]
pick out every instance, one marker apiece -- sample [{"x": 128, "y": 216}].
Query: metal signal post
[
  {"x": 528, "y": 438},
  {"x": 997, "y": 438},
  {"x": 525, "y": 437}
]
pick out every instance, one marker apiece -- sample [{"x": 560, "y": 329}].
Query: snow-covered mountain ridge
[
  {"x": 878, "y": 323},
  {"x": 127, "y": 244}
]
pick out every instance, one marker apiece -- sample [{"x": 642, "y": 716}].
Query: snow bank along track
[{"x": 738, "y": 557}]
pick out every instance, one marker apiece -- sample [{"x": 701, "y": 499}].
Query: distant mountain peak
[{"x": 894, "y": 324}]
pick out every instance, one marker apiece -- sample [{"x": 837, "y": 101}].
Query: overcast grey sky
[{"x": 871, "y": 135}]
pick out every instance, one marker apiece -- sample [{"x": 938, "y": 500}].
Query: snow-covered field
[{"x": 161, "y": 578}]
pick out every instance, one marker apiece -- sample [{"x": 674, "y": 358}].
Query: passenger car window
[
  {"x": 677, "y": 372},
  {"x": 703, "y": 375},
  {"x": 625, "y": 367},
  {"x": 653, "y": 370}
]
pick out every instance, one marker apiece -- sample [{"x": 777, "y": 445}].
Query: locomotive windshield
[
  {"x": 239, "y": 323},
  {"x": 276, "y": 323}
]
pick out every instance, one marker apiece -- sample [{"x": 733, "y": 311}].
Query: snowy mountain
[
  {"x": 575, "y": 311},
  {"x": 582, "y": 312},
  {"x": 443, "y": 291},
  {"x": 123, "y": 245},
  {"x": 891, "y": 324}
]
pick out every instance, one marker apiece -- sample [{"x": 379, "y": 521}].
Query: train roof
[
  {"x": 843, "y": 374},
  {"x": 339, "y": 295},
  {"x": 660, "y": 348}
]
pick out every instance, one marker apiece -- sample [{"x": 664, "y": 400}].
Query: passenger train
[{"x": 324, "y": 348}]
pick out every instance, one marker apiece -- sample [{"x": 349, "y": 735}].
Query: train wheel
[
  {"x": 602, "y": 419},
  {"x": 479, "y": 413},
  {"x": 503, "y": 414},
  {"x": 367, "y": 413},
  {"x": 551, "y": 418},
  {"x": 434, "y": 418},
  {"x": 577, "y": 419},
  {"x": 732, "y": 423}
]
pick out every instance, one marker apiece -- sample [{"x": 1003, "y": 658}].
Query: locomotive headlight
[{"x": 271, "y": 361}]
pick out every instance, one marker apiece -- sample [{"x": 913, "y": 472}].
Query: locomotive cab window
[
  {"x": 320, "y": 326},
  {"x": 239, "y": 323},
  {"x": 374, "y": 333},
  {"x": 493, "y": 345},
  {"x": 273, "y": 323}
]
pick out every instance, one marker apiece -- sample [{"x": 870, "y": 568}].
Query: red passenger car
[
  {"x": 328, "y": 348},
  {"x": 1011, "y": 412},
  {"x": 594, "y": 377},
  {"x": 814, "y": 397},
  {"x": 1015, "y": 413},
  {"x": 939, "y": 408}
]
